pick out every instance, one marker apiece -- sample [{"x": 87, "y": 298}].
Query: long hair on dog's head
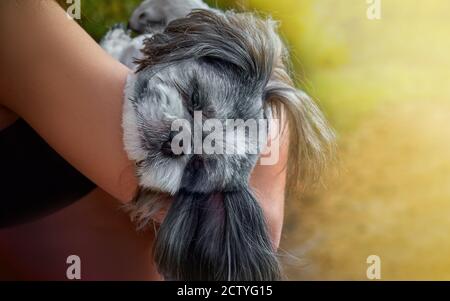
[{"x": 229, "y": 66}]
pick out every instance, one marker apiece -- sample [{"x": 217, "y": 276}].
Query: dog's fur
[{"x": 230, "y": 66}]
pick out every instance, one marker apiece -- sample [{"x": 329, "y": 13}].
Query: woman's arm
[
  {"x": 70, "y": 91},
  {"x": 67, "y": 88}
]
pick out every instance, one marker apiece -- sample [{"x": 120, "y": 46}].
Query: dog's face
[
  {"x": 154, "y": 15},
  {"x": 198, "y": 77},
  {"x": 197, "y": 92}
]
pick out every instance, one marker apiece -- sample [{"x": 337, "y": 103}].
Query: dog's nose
[
  {"x": 138, "y": 21},
  {"x": 143, "y": 17},
  {"x": 166, "y": 147},
  {"x": 146, "y": 21}
]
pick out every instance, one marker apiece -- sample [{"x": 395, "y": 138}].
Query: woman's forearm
[{"x": 68, "y": 89}]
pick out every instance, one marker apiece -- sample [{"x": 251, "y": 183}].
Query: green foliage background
[{"x": 384, "y": 84}]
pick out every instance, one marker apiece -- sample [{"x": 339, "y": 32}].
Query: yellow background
[{"x": 385, "y": 87}]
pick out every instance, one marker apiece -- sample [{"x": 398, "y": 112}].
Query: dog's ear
[
  {"x": 239, "y": 39},
  {"x": 216, "y": 237},
  {"x": 311, "y": 139}
]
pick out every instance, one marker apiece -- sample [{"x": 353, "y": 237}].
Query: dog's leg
[
  {"x": 116, "y": 40},
  {"x": 154, "y": 15}
]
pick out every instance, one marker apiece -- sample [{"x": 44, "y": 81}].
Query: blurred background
[{"x": 385, "y": 87}]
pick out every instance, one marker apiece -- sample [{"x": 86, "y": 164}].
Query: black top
[{"x": 34, "y": 180}]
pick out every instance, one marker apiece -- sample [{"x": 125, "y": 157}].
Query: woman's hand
[{"x": 269, "y": 182}]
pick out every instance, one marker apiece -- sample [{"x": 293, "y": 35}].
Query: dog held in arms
[{"x": 189, "y": 57}]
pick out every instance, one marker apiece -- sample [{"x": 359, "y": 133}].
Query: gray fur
[
  {"x": 154, "y": 15},
  {"x": 230, "y": 66}
]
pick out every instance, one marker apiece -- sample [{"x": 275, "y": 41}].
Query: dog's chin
[{"x": 163, "y": 177}]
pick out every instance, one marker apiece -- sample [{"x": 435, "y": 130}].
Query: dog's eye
[{"x": 195, "y": 100}]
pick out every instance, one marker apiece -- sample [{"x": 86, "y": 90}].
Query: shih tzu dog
[{"x": 193, "y": 63}]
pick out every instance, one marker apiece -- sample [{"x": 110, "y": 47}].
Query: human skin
[
  {"x": 55, "y": 77},
  {"x": 94, "y": 229}
]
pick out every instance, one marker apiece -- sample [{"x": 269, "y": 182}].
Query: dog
[{"x": 190, "y": 58}]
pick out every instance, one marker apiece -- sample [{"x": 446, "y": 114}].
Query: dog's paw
[
  {"x": 154, "y": 15},
  {"x": 116, "y": 40}
]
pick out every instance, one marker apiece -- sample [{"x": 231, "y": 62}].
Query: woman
[{"x": 62, "y": 84}]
